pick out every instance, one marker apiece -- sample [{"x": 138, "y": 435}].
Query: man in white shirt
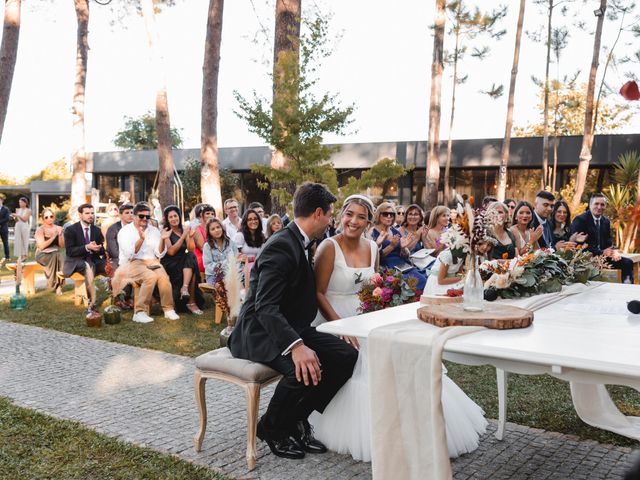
[
  {"x": 231, "y": 224},
  {"x": 141, "y": 247}
]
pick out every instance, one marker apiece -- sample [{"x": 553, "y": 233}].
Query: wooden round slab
[
  {"x": 494, "y": 315},
  {"x": 438, "y": 299}
]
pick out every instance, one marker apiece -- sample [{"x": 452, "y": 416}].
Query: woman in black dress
[
  {"x": 180, "y": 264},
  {"x": 561, "y": 225}
]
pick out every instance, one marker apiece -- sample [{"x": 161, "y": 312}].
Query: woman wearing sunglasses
[
  {"x": 392, "y": 246},
  {"x": 49, "y": 242}
]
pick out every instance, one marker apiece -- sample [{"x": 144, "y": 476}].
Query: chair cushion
[{"x": 222, "y": 361}]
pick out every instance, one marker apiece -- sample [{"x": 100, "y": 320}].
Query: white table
[{"x": 587, "y": 339}]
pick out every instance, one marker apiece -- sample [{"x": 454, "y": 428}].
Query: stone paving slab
[{"x": 146, "y": 397}]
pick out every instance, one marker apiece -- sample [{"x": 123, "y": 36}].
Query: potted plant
[{"x": 102, "y": 291}]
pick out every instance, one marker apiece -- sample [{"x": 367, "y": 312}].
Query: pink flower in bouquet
[
  {"x": 390, "y": 279},
  {"x": 387, "y": 293},
  {"x": 377, "y": 292},
  {"x": 376, "y": 279},
  {"x": 365, "y": 307}
]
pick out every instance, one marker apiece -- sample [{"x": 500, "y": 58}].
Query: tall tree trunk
[
  {"x": 79, "y": 155},
  {"x": 587, "y": 136},
  {"x": 506, "y": 144},
  {"x": 447, "y": 165},
  {"x": 544, "y": 179},
  {"x": 210, "y": 186},
  {"x": 8, "y": 55},
  {"x": 163, "y": 122},
  {"x": 433, "y": 158},
  {"x": 286, "y": 42}
]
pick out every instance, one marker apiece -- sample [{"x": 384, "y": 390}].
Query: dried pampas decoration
[
  {"x": 233, "y": 285},
  {"x": 19, "y": 271}
]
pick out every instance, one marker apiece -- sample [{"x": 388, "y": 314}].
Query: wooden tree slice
[
  {"x": 494, "y": 315},
  {"x": 438, "y": 299}
]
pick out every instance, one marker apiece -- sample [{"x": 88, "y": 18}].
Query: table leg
[{"x": 501, "y": 376}]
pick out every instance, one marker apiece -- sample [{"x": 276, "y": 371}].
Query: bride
[{"x": 343, "y": 264}]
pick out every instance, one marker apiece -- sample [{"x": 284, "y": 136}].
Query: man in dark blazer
[
  {"x": 126, "y": 217},
  {"x": 541, "y": 213},
  {"x": 274, "y": 328},
  {"x": 83, "y": 243},
  {"x": 597, "y": 227},
  {"x": 5, "y": 216}
]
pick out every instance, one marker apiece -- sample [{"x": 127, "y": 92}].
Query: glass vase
[
  {"x": 18, "y": 301},
  {"x": 473, "y": 295}
]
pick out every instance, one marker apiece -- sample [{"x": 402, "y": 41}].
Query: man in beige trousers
[{"x": 141, "y": 247}]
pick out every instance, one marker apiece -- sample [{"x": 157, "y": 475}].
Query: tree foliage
[
  {"x": 381, "y": 172},
  {"x": 190, "y": 178},
  {"x": 303, "y": 118},
  {"x": 141, "y": 134},
  {"x": 56, "y": 170}
]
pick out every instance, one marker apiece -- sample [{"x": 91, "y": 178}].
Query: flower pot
[
  {"x": 112, "y": 315},
  {"x": 94, "y": 319}
]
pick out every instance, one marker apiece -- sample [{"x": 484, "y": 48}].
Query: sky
[{"x": 381, "y": 64}]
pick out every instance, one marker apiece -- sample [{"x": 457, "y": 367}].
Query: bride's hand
[{"x": 353, "y": 341}]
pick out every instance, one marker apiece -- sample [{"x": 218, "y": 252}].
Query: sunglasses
[
  {"x": 46, "y": 217},
  {"x": 400, "y": 213},
  {"x": 142, "y": 216},
  {"x": 388, "y": 214}
]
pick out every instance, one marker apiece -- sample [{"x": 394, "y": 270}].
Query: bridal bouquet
[{"x": 387, "y": 289}]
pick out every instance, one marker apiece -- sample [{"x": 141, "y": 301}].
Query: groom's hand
[{"x": 307, "y": 364}]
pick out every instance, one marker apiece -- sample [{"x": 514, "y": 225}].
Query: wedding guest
[
  {"x": 413, "y": 227},
  {"x": 125, "y": 214},
  {"x": 217, "y": 250},
  {"x": 274, "y": 224},
  {"x": 541, "y": 214},
  {"x": 73, "y": 217},
  {"x": 125, "y": 197},
  {"x": 157, "y": 211},
  {"x": 399, "y": 217},
  {"x": 259, "y": 209},
  {"x": 526, "y": 236},
  {"x": 231, "y": 224},
  {"x": 5, "y": 216},
  {"x": 204, "y": 212},
  {"x": 438, "y": 224},
  {"x": 180, "y": 264},
  {"x": 597, "y": 228},
  {"x": 49, "y": 242},
  {"x": 488, "y": 200},
  {"x": 561, "y": 227},
  {"x": 392, "y": 245},
  {"x": 250, "y": 238},
  {"x": 141, "y": 247},
  {"x": 511, "y": 205},
  {"x": 22, "y": 229},
  {"x": 112, "y": 217},
  {"x": 505, "y": 247}
]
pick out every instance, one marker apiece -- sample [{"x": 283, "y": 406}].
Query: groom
[{"x": 274, "y": 328}]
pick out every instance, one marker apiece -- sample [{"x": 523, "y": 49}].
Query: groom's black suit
[{"x": 279, "y": 308}]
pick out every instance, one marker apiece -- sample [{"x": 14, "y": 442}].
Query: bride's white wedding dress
[{"x": 344, "y": 427}]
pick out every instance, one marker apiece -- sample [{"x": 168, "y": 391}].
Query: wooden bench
[
  {"x": 251, "y": 376},
  {"x": 29, "y": 270}
]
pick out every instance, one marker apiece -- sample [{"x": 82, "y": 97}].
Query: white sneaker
[
  {"x": 142, "y": 317},
  {"x": 171, "y": 315}
]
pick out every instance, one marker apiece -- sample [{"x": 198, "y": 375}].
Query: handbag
[{"x": 422, "y": 259}]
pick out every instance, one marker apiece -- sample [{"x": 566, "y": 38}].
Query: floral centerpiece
[{"x": 387, "y": 289}]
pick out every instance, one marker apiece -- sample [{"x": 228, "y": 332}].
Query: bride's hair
[{"x": 359, "y": 200}]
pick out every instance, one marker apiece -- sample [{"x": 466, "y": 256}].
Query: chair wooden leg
[
  {"x": 501, "y": 376},
  {"x": 79, "y": 293},
  {"x": 29, "y": 283},
  {"x": 253, "y": 405},
  {"x": 199, "y": 384}
]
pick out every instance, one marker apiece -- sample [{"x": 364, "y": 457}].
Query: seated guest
[
  {"x": 141, "y": 247},
  {"x": 561, "y": 227},
  {"x": 259, "y": 209},
  {"x": 488, "y": 200},
  {"x": 180, "y": 264},
  {"x": 49, "y": 242},
  {"x": 413, "y": 226},
  {"x": 274, "y": 224},
  {"x": 511, "y": 205},
  {"x": 83, "y": 245},
  {"x": 541, "y": 215},
  {"x": 526, "y": 236},
  {"x": 399, "y": 217},
  {"x": 505, "y": 247},
  {"x": 231, "y": 224},
  {"x": 597, "y": 228},
  {"x": 250, "y": 238},
  {"x": 113, "y": 251},
  {"x": 217, "y": 249},
  {"x": 112, "y": 217},
  {"x": 203, "y": 212},
  {"x": 393, "y": 247},
  {"x": 438, "y": 224}
]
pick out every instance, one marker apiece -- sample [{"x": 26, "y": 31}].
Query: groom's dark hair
[{"x": 310, "y": 196}]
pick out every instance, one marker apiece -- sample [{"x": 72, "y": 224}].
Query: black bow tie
[{"x": 310, "y": 252}]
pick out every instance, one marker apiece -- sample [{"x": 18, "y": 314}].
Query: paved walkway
[{"x": 146, "y": 397}]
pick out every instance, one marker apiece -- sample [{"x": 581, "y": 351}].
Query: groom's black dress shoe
[
  {"x": 305, "y": 439},
  {"x": 284, "y": 446}
]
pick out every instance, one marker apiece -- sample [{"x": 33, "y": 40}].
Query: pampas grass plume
[{"x": 233, "y": 286}]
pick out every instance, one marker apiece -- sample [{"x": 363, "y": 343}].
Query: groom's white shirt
[{"x": 307, "y": 241}]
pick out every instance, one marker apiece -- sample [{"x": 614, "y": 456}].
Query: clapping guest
[
  {"x": 414, "y": 228},
  {"x": 180, "y": 264},
  {"x": 438, "y": 224},
  {"x": 49, "y": 242},
  {"x": 274, "y": 224},
  {"x": 203, "y": 212},
  {"x": 526, "y": 236},
  {"x": 561, "y": 227},
  {"x": 400, "y": 211},
  {"x": 505, "y": 247},
  {"x": 217, "y": 249},
  {"x": 250, "y": 238},
  {"x": 392, "y": 246},
  {"x": 21, "y": 229}
]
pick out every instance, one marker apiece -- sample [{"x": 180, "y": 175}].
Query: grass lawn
[
  {"x": 535, "y": 400},
  {"x": 33, "y": 445}
]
